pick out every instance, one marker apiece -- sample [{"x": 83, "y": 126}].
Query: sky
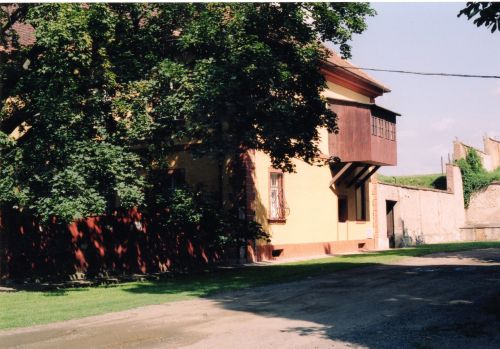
[{"x": 429, "y": 37}]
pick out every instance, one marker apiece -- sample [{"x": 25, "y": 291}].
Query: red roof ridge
[{"x": 335, "y": 60}]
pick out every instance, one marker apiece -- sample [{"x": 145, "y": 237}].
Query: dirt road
[{"x": 439, "y": 301}]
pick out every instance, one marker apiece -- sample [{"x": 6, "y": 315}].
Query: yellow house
[{"x": 319, "y": 209}]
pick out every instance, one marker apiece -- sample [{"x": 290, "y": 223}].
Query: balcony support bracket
[
  {"x": 368, "y": 175},
  {"x": 341, "y": 173},
  {"x": 358, "y": 176}
]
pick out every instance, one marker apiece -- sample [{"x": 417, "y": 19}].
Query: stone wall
[
  {"x": 484, "y": 207},
  {"x": 422, "y": 215}
]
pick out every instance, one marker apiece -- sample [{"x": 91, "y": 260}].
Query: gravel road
[{"x": 447, "y": 300}]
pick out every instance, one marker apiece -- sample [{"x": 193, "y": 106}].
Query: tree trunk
[
  {"x": 237, "y": 180},
  {"x": 1, "y": 77},
  {"x": 220, "y": 181}
]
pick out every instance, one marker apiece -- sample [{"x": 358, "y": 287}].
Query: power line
[{"x": 424, "y": 73}]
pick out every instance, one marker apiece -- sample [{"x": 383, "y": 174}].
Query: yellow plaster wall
[
  {"x": 312, "y": 206},
  {"x": 337, "y": 91},
  {"x": 200, "y": 172},
  {"x": 323, "y": 144}
]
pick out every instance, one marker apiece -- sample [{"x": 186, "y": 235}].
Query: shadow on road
[
  {"x": 388, "y": 307},
  {"x": 440, "y": 305}
]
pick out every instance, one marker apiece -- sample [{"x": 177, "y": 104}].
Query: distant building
[{"x": 490, "y": 155}]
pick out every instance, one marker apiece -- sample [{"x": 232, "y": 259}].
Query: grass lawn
[
  {"x": 435, "y": 181},
  {"x": 26, "y": 308}
]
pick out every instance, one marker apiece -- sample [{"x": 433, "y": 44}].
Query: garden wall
[
  {"x": 484, "y": 207},
  {"x": 122, "y": 243},
  {"x": 422, "y": 215}
]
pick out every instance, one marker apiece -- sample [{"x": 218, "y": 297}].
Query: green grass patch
[
  {"x": 26, "y": 308},
  {"x": 434, "y": 181}
]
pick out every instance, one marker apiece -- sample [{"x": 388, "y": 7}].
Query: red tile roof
[
  {"x": 25, "y": 32},
  {"x": 335, "y": 60}
]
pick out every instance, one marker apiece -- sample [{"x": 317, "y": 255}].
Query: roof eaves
[
  {"x": 354, "y": 72},
  {"x": 362, "y": 104}
]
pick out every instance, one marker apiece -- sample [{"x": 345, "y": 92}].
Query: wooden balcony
[{"x": 367, "y": 133}]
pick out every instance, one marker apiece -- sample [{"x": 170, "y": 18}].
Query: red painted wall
[{"x": 120, "y": 243}]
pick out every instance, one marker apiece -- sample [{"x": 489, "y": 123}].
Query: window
[
  {"x": 380, "y": 132},
  {"x": 383, "y": 128},
  {"x": 176, "y": 178},
  {"x": 361, "y": 203},
  {"x": 165, "y": 180},
  {"x": 393, "y": 132},
  {"x": 276, "y": 198},
  {"x": 342, "y": 209}
]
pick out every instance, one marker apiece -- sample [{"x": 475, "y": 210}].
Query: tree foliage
[
  {"x": 484, "y": 13},
  {"x": 474, "y": 176},
  {"x": 97, "y": 99},
  {"x": 193, "y": 216}
]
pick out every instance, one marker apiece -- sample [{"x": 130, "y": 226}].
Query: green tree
[
  {"x": 484, "y": 13},
  {"x": 71, "y": 158},
  {"x": 97, "y": 99}
]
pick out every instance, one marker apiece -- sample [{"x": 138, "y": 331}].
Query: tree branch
[{"x": 16, "y": 119}]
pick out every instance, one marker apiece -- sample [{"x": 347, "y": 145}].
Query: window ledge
[{"x": 276, "y": 220}]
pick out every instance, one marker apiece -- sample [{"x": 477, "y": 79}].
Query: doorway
[
  {"x": 389, "y": 210},
  {"x": 343, "y": 216}
]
